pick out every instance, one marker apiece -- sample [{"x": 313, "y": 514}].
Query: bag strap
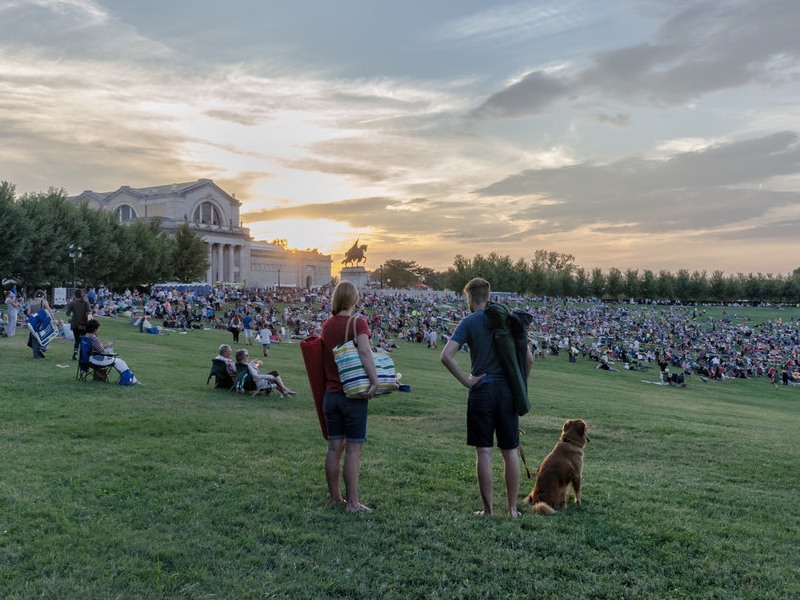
[{"x": 347, "y": 330}]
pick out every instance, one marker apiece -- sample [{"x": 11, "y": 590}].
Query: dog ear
[
  {"x": 567, "y": 425},
  {"x": 581, "y": 426}
]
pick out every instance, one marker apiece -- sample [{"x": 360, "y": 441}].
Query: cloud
[
  {"x": 531, "y": 95},
  {"x": 517, "y": 20},
  {"x": 617, "y": 131},
  {"x": 696, "y": 190},
  {"x": 699, "y": 50}
]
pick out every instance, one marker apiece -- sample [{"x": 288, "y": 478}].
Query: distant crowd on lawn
[{"x": 683, "y": 338}]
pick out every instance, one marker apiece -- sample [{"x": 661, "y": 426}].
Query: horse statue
[{"x": 356, "y": 254}]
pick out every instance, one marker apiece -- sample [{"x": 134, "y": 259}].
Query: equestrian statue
[{"x": 356, "y": 254}]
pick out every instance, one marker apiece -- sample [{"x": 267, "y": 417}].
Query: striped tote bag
[{"x": 354, "y": 378}]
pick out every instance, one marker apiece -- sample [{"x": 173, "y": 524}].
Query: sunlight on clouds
[
  {"x": 293, "y": 186},
  {"x": 681, "y": 145},
  {"x": 329, "y": 237},
  {"x": 403, "y": 207}
]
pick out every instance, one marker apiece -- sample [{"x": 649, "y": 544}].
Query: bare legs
[
  {"x": 282, "y": 387},
  {"x": 351, "y": 469},
  {"x": 483, "y": 466},
  {"x": 511, "y": 473}
]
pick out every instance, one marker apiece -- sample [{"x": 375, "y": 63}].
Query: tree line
[
  {"x": 40, "y": 230},
  {"x": 555, "y": 274},
  {"x": 37, "y": 230}
]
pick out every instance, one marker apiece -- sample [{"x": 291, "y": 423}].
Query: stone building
[{"x": 233, "y": 255}]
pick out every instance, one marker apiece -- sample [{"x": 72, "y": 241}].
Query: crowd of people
[{"x": 684, "y": 338}]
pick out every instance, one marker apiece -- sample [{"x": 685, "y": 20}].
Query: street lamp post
[
  {"x": 279, "y": 279},
  {"x": 75, "y": 252}
]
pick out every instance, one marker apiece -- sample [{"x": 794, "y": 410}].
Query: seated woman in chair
[
  {"x": 126, "y": 377},
  {"x": 262, "y": 381}
]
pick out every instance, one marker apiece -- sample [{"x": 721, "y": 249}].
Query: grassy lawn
[{"x": 177, "y": 490}]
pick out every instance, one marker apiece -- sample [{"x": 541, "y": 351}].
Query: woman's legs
[
  {"x": 332, "y": 461},
  {"x": 352, "y": 468},
  {"x": 282, "y": 387}
]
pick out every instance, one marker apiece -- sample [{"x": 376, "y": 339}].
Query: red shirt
[{"x": 333, "y": 334}]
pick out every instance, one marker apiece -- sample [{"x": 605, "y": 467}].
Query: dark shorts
[
  {"x": 490, "y": 410},
  {"x": 345, "y": 417}
]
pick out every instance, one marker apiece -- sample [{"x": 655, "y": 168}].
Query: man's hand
[{"x": 472, "y": 380}]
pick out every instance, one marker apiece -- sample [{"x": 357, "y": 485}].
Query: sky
[{"x": 629, "y": 134}]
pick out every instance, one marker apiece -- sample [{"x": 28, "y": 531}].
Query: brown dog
[{"x": 560, "y": 469}]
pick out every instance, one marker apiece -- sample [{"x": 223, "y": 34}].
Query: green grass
[{"x": 177, "y": 490}]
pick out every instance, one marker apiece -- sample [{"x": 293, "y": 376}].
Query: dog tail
[{"x": 543, "y": 508}]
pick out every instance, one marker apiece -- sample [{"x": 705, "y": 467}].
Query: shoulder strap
[{"x": 352, "y": 319}]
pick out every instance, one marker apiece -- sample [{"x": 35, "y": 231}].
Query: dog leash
[{"x": 522, "y": 455}]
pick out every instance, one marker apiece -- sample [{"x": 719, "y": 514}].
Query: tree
[
  {"x": 716, "y": 286},
  {"x": 791, "y": 289},
  {"x": 397, "y": 273},
  {"x": 647, "y": 286},
  {"x": 189, "y": 255},
  {"x": 614, "y": 283},
  {"x": 698, "y": 286},
  {"x": 14, "y": 233},
  {"x": 632, "y": 287},
  {"x": 665, "y": 285},
  {"x": 582, "y": 283},
  {"x": 281, "y": 243},
  {"x": 100, "y": 239},
  {"x": 597, "y": 284},
  {"x": 52, "y": 223},
  {"x": 460, "y": 273},
  {"x": 682, "y": 289}
]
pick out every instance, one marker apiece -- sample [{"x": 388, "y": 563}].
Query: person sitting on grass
[
  {"x": 603, "y": 364},
  {"x": 262, "y": 381},
  {"x": 101, "y": 359}
]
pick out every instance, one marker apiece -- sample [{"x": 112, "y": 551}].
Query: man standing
[
  {"x": 247, "y": 323},
  {"x": 78, "y": 311},
  {"x": 490, "y": 403}
]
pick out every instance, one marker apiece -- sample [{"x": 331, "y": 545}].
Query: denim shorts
[
  {"x": 490, "y": 410},
  {"x": 345, "y": 417}
]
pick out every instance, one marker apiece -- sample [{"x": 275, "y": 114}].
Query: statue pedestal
[{"x": 356, "y": 275}]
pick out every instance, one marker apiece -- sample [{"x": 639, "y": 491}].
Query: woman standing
[
  {"x": 235, "y": 327},
  {"x": 13, "y": 309},
  {"x": 345, "y": 418}
]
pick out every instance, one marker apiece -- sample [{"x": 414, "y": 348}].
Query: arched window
[
  {"x": 207, "y": 214},
  {"x": 125, "y": 213}
]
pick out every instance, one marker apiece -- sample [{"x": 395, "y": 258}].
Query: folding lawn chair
[
  {"x": 219, "y": 371},
  {"x": 42, "y": 327},
  {"x": 245, "y": 383},
  {"x": 98, "y": 372}
]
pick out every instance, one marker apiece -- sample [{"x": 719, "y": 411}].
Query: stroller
[{"x": 3, "y": 325}]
